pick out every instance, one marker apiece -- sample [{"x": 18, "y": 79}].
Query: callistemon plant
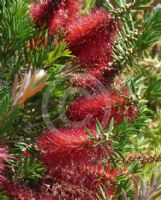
[{"x": 80, "y": 93}]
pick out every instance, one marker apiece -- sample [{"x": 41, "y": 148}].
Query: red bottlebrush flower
[
  {"x": 41, "y": 12},
  {"x": 62, "y": 140},
  {"x": 61, "y": 147},
  {"x": 18, "y": 192},
  {"x": 88, "y": 109},
  {"x": 46, "y": 197},
  {"x": 95, "y": 79},
  {"x": 3, "y": 156},
  {"x": 65, "y": 14},
  {"x": 90, "y": 38},
  {"x": 26, "y": 154},
  {"x": 83, "y": 181},
  {"x": 74, "y": 163},
  {"x": 54, "y": 14},
  {"x": 103, "y": 107},
  {"x": 87, "y": 81},
  {"x": 132, "y": 112}
]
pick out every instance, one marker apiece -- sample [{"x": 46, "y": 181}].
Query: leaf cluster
[
  {"x": 134, "y": 37},
  {"x": 28, "y": 169},
  {"x": 15, "y": 30}
]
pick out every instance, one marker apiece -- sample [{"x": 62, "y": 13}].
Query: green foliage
[
  {"x": 134, "y": 167},
  {"x": 101, "y": 134},
  {"x": 124, "y": 185},
  {"x": 4, "y": 105},
  {"x": 121, "y": 137},
  {"x": 28, "y": 169},
  {"x": 8, "y": 115},
  {"x": 3, "y": 196},
  {"x": 124, "y": 50},
  {"x": 152, "y": 30},
  {"x": 88, "y": 5},
  {"x": 122, "y": 8},
  {"x": 153, "y": 91},
  {"x": 16, "y": 30},
  {"x": 134, "y": 37},
  {"x": 153, "y": 136},
  {"x": 58, "y": 56},
  {"x": 36, "y": 53}
]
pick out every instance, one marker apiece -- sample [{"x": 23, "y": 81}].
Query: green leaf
[
  {"x": 109, "y": 6},
  {"x": 60, "y": 51},
  {"x": 111, "y": 126},
  {"x": 145, "y": 1},
  {"x": 152, "y": 30},
  {"x": 90, "y": 136},
  {"x": 99, "y": 128},
  {"x": 29, "y": 168},
  {"x": 88, "y": 5},
  {"x": 3, "y": 196},
  {"x": 4, "y": 104}
]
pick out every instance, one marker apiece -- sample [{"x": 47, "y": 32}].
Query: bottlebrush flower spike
[
  {"x": 75, "y": 163},
  {"x": 41, "y": 12},
  {"x": 63, "y": 140},
  {"x": 18, "y": 192},
  {"x": 68, "y": 11},
  {"x": 82, "y": 181},
  {"x": 66, "y": 145},
  {"x": 90, "y": 38},
  {"x": 87, "y": 81},
  {"x": 94, "y": 78},
  {"x": 29, "y": 86},
  {"x": 54, "y": 14},
  {"x": 103, "y": 107},
  {"x": 3, "y": 156},
  {"x": 46, "y": 197}
]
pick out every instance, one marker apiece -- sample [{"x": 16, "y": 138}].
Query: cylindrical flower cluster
[
  {"x": 54, "y": 14},
  {"x": 102, "y": 107},
  {"x": 21, "y": 192},
  {"x": 75, "y": 163},
  {"x": 91, "y": 39}
]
